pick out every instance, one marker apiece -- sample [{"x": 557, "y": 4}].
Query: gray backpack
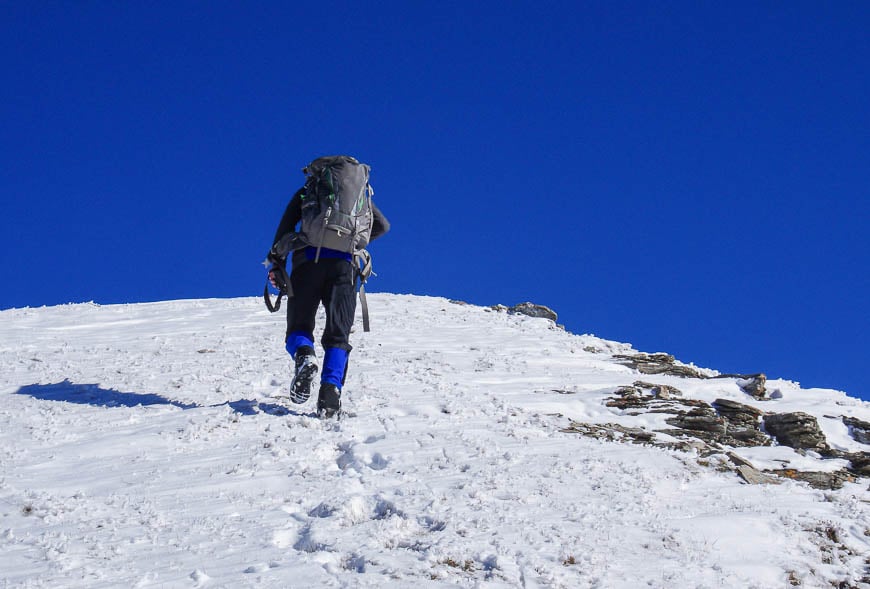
[
  {"x": 337, "y": 205},
  {"x": 336, "y": 214}
]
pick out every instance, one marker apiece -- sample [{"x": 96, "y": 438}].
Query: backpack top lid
[{"x": 327, "y": 161}]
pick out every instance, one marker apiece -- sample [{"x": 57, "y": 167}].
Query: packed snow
[{"x": 150, "y": 445}]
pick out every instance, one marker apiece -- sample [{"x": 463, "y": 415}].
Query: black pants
[{"x": 329, "y": 281}]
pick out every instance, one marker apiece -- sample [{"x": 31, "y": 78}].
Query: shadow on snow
[
  {"x": 93, "y": 394},
  {"x": 253, "y": 407}
]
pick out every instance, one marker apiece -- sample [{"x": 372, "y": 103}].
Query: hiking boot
[
  {"x": 306, "y": 368},
  {"x": 328, "y": 401}
]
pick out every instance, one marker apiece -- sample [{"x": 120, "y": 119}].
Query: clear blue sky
[{"x": 688, "y": 177}]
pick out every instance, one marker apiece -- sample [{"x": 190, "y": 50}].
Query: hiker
[{"x": 320, "y": 274}]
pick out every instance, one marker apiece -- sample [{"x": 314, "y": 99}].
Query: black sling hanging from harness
[{"x": 282, "y": 283}]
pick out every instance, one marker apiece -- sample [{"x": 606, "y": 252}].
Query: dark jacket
[{"x": 293, "y": 215}]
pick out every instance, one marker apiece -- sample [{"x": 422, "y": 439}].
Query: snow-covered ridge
[{"x": 148, "y": 445}]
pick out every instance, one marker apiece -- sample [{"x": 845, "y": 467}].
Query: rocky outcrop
[
  {"x": 743, "y": 423},
  {"x": 817, "y": 480},
  {"x": 724, "y": 423},
  {"x": 738, "y": 414},
  {"x": 533, "y": 310},
  {"x": 713, "y": 428},
  {"x": 657, "y": 364},
  {"x": 702, "y": 422},
  {"x": 859, "y": 463},
  {"x": 859, "y": 430},
  {"x": 754, "y": 385},
  {"x": 749, "y": 473},
  {"x": 611, "y": 432},
  {"x": 797, "y": 430},
  {"x": 650, "y": 398},
  {"x": 660, "y": 391},
  {"x": 751, "y": 384}
]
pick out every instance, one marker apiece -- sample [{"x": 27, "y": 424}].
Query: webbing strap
[
  {"x": 364, "y": 270},
  {"x": 266, "y": 297},
  {"x": 364, "y": 264},
  {"x": 365, "y": 307},
  {"x": 284, "y": 287}
]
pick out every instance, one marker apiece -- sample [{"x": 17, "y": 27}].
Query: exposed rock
[
  {"x": 610, "y": 431},
  {"x": 633, "y": 392},
  {"x": 737, "y": 413},
  {"x": 657, "y": 364},
  {"x": 533, "y": 310},
  {"x": 687, "y": 445},
  {"x": 753, "y": 476},
  {"x": 738, "y": 460},
  {"x": 747, "y": 437},
  {"x": 660, "y": 399},
  {"x": 751, "y": 384},
  {"x": 700, "y": 420},
  {"x": 817, "y": 480},
  {"x": 673, "y": 405},
  {"x": 859, "y": 430},
  {"x": 859, "y": 463},
  {"x": 615, "y": 432},
  {"x": 797, "y": 430},
  {"x": 628, "y": 398},
  {"x": 743, "y": 427},
  {"x": 704, "y": 424},
  {"x": 660, "y": 391},
  {"x": 731, "y": 424},
  {"x": 711, "y": 429}
]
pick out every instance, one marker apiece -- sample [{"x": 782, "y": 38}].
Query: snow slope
[{"x": 146, "y": 446}]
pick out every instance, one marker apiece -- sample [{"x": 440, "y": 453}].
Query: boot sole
[{"x": 300, "y": 388}]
